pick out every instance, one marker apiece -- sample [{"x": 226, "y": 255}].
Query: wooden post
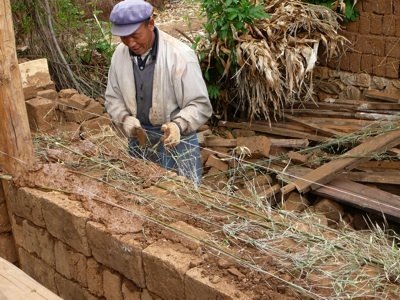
[{"x": 16, "y": 150}]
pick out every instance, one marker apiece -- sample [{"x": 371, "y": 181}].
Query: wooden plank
[
  {"x": 375, "y": 94},
  {"x": 359, "y": 105},
  {"x": 274, "y": 131},
  {"x": 16, "y": 149},
  {"x": 379, "y": 165},
  {"x": 17, "y": 285},
  {"x": 347, "y": 161},
  {"x": 358, "y": 195},
  {"x": 316, "y": 128},
  {"x": 375, "y": 177}
]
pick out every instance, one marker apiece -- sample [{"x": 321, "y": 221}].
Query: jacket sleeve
[
  {"x": 192, "y": 96},
  {"x": 114, "y": 101}
]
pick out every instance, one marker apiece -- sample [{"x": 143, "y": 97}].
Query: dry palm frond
[{"x": 275, "y": 62}]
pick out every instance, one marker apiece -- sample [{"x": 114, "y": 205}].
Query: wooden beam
[
  {"x": 274, "y": 130},
  {"x": 351, "y": 193},
  {"x": 375, "y": 94},
  {"x": 16, "y": 150},
  {"x": 363, "y": 152},
  {"x": 374, "y": 177}
]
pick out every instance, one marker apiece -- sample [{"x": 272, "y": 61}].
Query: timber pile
[{"x": 325, "y": 153}]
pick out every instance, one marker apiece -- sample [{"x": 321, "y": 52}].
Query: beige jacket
[{"x": 179, "y": 91}]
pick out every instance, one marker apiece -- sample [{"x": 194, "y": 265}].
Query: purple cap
[{"x": 127, "y": 16}]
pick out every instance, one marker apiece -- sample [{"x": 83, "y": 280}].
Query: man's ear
[{"x": 151, "y": 23}]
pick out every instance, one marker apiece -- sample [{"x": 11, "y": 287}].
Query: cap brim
[{"x": 124, "y": 30}]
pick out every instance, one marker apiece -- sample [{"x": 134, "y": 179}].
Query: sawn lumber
[{"x": 363, "y": 152}]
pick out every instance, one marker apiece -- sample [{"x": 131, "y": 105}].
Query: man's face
[{"x": 142, "y": 39}]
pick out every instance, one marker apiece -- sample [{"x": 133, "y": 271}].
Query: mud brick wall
[
  {"x": 375, "y": 39},
  {"x": 60, "y": 247},
  {"x": 7, "y": 245}
]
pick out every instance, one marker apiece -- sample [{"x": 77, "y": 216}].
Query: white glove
[
  {"x": 130, "y": 125},
  {"x": 172, "y": 134}
]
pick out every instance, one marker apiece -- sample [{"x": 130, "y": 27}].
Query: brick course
[{"x": 382, "y": 7}]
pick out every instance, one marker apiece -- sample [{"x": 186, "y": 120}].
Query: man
[{"x": 155, "y": 83}]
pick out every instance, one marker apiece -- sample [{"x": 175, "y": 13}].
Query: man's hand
[
  {"x": 130, "y": 125},
  {"x": 172, "y": 134}
]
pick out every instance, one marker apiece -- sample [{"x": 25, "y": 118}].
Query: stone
[
  {"x": 122, "y": 254},
  {"x": 362, "y": 79},
  {"x": 70, "y": 264}
]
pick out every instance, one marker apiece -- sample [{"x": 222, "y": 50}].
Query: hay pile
[{"x": 276, "y": 58}]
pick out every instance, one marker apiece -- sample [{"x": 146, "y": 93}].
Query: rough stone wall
[
  {"x": 77, "y": 258},
  {"x": 375, "y": 40}
]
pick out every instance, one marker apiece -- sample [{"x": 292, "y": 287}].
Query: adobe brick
[
  {"x": 352, "y": 26},
  {"x": 70, "y": 264},
  {"x": 370, "y": 44},
  {"x": 122, "y": 254},
  {"x": 27, "y": 204},
  {"x": 379, "y": 66},
  {"x": 392, "y": 68},
  {"x": 367, "y": 63},
  {"x": 71, "y": 290},
  {"x": 7, "y": 247},
  {"x": 94, "y": 277},
  {"x": 30, "y": 92},
  {"x": 113, "y": 283},
  {"x": 37, "y": 269},
  {"x": 58, "y": 210},
  {"x": 376, "y": 24},
  {"x": 163, "y": 260},
  {"x": 41, "y": 113},
  {"x": 38, "y": 241},
  {"x": 392, "y": 47},
  {"x": 355, "y": 62},
  {"x": 331, "y": 209},
  {"x": 258, "y": 145},
  {"x": 396, "y": 8},
  {"x": 382, "y": 7},
  {"x": 397, "y": 29},
  {"x": 95, "y": 125},
  {"x": 389, "y": 26},
  {"x": 365, "y": 23},
  {"x": 48, "y": 94},
  {"x": 193, "y": 238},
  {"x": 197, "y": 284},
  {"x": 67, "y": 93},
  {"x": 5, "y": 225},
  {"x": 344, "y": 62},
  {"x": 130, "y": 291}
]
